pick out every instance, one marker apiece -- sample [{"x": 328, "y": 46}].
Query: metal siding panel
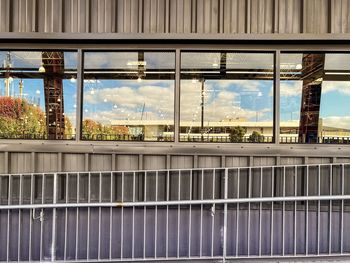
[
  {"x": 73, "y": 162},
  {"x": 127, "y": 162},
  {"x": 234, "y": 16},
  {"x": 100, "y": 162},
  {"x": 5, "y": 15},
  {"x": 237, "y": 161},
  {"x": 342, "y": 160},
  {"x": 261, "y": 16},
  {"x": 340, "y": 16},
  {"x": 209, "y": 161},
  {"x": 291, "y": 160},
  {"x": 20, "y": 163},
  {"x": 315, "y": 16},
  {"x": 181, "y": 162},
  {"x": 264, "y": 161},
  {"x": 46, "y": 162},
  {"x": 2, "y": 163},
  {"x": 154, "y": 162},
  {"x": 318, "y": 160}
]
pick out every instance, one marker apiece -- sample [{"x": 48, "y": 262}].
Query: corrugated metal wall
[
  {"x": 175, "y": 16},
  {"x": 164, "y": 16},
  {"x": 23, "y": 162}
]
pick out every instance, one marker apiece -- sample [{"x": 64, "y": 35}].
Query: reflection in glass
[
  {"x": 128, "y": 96},
  {"x": 226, "y": 97},
  {"x": 315, "y": 95},
  {"x": 37, "y": 94}
]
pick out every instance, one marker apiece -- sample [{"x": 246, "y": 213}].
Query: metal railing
[{"x": 189, "y": 214}]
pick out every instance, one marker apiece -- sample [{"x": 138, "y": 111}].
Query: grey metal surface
[
  {"x": 265, "y": 212},
  {"x": 175, "y": 16}
]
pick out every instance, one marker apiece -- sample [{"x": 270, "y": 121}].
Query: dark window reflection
[
  {"x": 128, "y": 96},
  {"x": 315, "y": 95},
  {"x": 37, "y": 94},
  {"x": 226, "y": 97}
]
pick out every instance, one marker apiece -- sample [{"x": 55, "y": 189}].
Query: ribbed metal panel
[{"x": 175, "y": 16}]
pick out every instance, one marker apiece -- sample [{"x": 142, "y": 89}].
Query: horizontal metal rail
[{"x": 292, "y": 211}]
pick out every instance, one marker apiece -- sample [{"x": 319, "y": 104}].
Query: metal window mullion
[
  {"x": 177, "y": 95},
  {"x": 80, "y": 88},
  {"x": 277, "y": 105}
]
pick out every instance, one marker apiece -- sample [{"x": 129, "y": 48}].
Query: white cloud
[
  {"x": 342, "y": 87},
  {"x": 291, "y": 88},
  {"x": 337, "y": 121}
]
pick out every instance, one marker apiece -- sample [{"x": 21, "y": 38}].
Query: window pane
[
  {"x": 315, "y": 95},
  {"x": 38, "y": 94},
  {"x": 128, "y": 96},
  {"x": 226, "y": 97}
]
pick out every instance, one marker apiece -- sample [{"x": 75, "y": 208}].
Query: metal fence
[{"x": 207, "y": 214}]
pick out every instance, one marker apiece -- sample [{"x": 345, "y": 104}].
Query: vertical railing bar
[
  {"x": 237, "y": 212},
  {"x": 31, "y": 216},
  {"x": 213, "y": 215},
  {"x": 224, "y": 252},
  {"x": 260, "y": 209},
  {"x": 122, "y": 221},
  {"x": 144, "y": 216},
  {"x": 272, "y": 204},
  {"x": 201, "y": 220},
  {"x": 342, "y": 211},
  {"x": 54, "y": 215},
  {"x": 318, "y": 207},
  {"x": 178, "y": 217},
  {"x": 8, "y": 237},
  {"x": 330, "y": 210},
  {"x": 307, "y": 213},
  {"x": 167, "y": 217},
  {"x": 283, "y": 210},
  {"x": 133, "y": 217},
  {"x": 88, "y": 218},
  {"x": 190, "y": 217},
  {"x": 77, "y": 218},
  {"x": 41, "y": 216},
  {"x": 111, "y": 216},
  {"x": 249, "y": 208},
  {"x": 156, "y": 219},
  {"x": 295, "y": 208},
  {"x": 99, "y": 219},
  {"x": 66, "y": 220},
  {"x": 19, "y": 216}
]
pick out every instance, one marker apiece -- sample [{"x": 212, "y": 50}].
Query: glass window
[
  {"x": 315, "y": 96},
  {"x": 38, "y": 94},
  {"x": 226, "y": 97},
  {"x": 128, "y": 96}
]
